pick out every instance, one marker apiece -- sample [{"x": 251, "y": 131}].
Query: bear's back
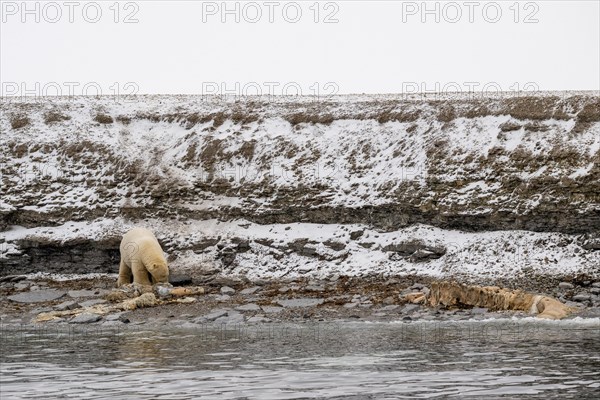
[{"x": 136, "y": 239}]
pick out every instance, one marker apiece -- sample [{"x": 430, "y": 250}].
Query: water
[{"x": 468, "y": 359}]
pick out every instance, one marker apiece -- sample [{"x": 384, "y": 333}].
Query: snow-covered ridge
[
  {"x": 511, "y": 162},
  {"x": 295, "y": 250}
]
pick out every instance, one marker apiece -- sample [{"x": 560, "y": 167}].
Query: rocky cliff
[{"x": 454, "y": 185}]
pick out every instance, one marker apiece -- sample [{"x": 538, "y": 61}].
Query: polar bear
[{"x": 142, "y": 257}]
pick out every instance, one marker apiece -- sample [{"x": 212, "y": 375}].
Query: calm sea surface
[{"x": 490, "y": 359}]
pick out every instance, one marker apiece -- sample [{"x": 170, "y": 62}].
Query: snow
[
  {"x": 69, "y": 277},
  {"x": 470, "y": 255}
]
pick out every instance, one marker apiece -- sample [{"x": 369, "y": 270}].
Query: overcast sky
[{"x": 280, "y": 47}]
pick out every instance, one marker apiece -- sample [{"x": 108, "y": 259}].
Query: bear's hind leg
[{"x": 124, "y": 274}]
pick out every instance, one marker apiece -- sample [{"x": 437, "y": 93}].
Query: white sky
[{"x": 375, "y": 47}]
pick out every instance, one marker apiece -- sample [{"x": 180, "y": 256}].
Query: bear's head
[{"x": 159, "y": 271}]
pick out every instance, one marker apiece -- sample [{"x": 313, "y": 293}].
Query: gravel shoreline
[{"x": 231, "y": 301}]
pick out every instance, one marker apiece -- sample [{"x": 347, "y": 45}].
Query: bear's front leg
[
  {"x": 140, "y": 273},
  {"x": 124, "y": 274}
]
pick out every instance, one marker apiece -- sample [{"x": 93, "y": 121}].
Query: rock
[
  {"x": 566, "y": 285},
  {"x": 389, "y": 300},
  {"x": 272, "y": 309},
  {"x": 390, "y": 307},
  {"x": 250, "y": 290},
  {"x": 590, "y": 243},
  {"x": 40, "y": 310},
  {"x": 67, "y": 305},
  {"x": 334, "y": 277},
  {"x": 284, "y": 289},
  {"x": 258, "y": 319},
  {"x": 226, "y": 281},
  {"x": 595, "y": 290},
  {"x": 85, "y": 318},
  {"x": 596, "y": 284},
  {"x": 232, "y": 317},
  {"x": 406, "y": 318},
  {"x": 334, "y": 245},
  {"x": 227, "y": 290},
  {"x": 13, "y": 278},
  {"x": 222, "y": 297},
  {"x": 356, "y": 234},
  {"x": 114, "y": 323},
  {"x": 92, "y": 302},
  {"x": 114, "y": 317},
  {"x": 479, "y": 310},
  {"x": 34, "y": 287},
  {"x": 37, "y": 296},
  {"x": 351, "y": 305},
  {"x": 300, "y": 302},
  {"x": 180, "y": 280},
  {"x": 582, "y": 297},
  {"x": 509, "y": 126},
  {"x": 87, "y": 293},
  {"x": 303, "y": 269},
  {"x": 213, "y": 315},
  {"x": 315, "y": 288},
  {"x": 416, "y": 250},
  {"x": 22, "y": 285},
  {"x": 208, "y": 271},
  {"x": 427, "y": 254},
  {"x": 163, "y": 291},
  {"x": 572, "y": 304},
  {"x": 248, "y": 307},
  {"x": 410, "y": 308}
]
